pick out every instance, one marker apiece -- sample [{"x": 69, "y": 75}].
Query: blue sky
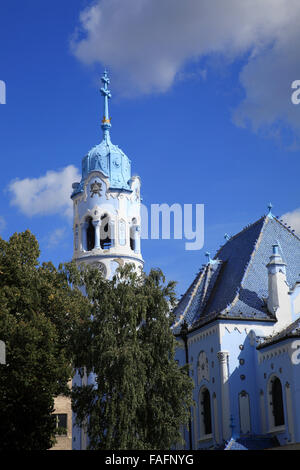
[{"x": 204, "y": 118}]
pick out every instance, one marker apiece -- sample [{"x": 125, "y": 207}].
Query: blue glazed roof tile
[
  {"x": 111, "y": 161},
  {"x": 235, "y": 283}
]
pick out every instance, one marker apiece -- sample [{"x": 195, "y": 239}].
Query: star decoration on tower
[{"x": 95, "y": 188}]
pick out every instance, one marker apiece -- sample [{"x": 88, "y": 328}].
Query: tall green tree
[
  {"x": 141, "y": 397},
  {"x": 39, "y": 317}
]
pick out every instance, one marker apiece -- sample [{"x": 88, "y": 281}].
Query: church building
[
  {"x": 238, "y": 323},
  {"x": 239, "y": 326}
]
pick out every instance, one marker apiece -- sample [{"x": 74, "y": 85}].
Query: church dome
[
  {"x": 106, "y": 157},
  {"x": 111, "y": 161},
  {"x": 96, "y": 160}
]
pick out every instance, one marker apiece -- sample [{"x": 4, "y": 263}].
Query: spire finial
[
  {"x": 270, "y": 210},
  {"x": 106, "y": 125}
]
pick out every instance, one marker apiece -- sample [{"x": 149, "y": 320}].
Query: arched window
[
  {"x": 105, "y": 233},
  {"x": 90, "y": 234},
  {"x": 205, "y": 412},
  {"x": 277, "y": 402}
]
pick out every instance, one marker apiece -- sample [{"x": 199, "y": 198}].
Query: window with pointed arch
[
  {"x": 90, "y": 234},
  {"x": 276, "y": 402},
  {"x": 105, "y": 232},
  {"x": 205, "y": 413}
]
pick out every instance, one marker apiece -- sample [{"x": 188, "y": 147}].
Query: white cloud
[
  {"x": 47, "y": 195},
  {"x": 56, "y": 237},
  {"x": 147, "y": 44},
  {"x": 293, "y": 219}
]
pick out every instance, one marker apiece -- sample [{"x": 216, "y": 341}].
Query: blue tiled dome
[
  {"x": 106, "y": 157},
  {"x": 111, "y": 161}
]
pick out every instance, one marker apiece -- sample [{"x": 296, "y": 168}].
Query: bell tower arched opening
[
  {"x": 133, "y": 235},
  {"x": 90, "y": 234},
  {"x": 105, "y": 233}
]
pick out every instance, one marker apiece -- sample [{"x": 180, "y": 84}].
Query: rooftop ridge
[
  {"x": 205, "y": 291},
  {"x": 192, "y": 289},
  {"x": 289, "y": 230},
  {"x": 239, "y": 233},
  {"x": 211, "y": 289},
  {"x": 247, "y": 227}
]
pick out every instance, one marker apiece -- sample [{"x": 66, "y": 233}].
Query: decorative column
[
  {"x": 76, "y": 237},
  {"x": 112, "y": 233},
  {"x": 96, "y": 224},
  {"x": 84, "y": 226},
  {"x": 224, "y": 376},
  {"x": 137, "y": 239},
  {"x": 122, "y": 232}
]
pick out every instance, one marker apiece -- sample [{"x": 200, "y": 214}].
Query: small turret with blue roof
[{"x": 107, "y": 204}]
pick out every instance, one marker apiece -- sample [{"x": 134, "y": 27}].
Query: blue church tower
[
  {"x": 106, "y": 219},
  {"x": 107, "y": 204}
]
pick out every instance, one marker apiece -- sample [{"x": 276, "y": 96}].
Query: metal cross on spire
[{"x": 106, "y": 125}]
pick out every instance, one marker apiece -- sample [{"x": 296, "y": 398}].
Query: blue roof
[
  {"x": 235, "y": 285},
  {"x": 111, "y": 161}
]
